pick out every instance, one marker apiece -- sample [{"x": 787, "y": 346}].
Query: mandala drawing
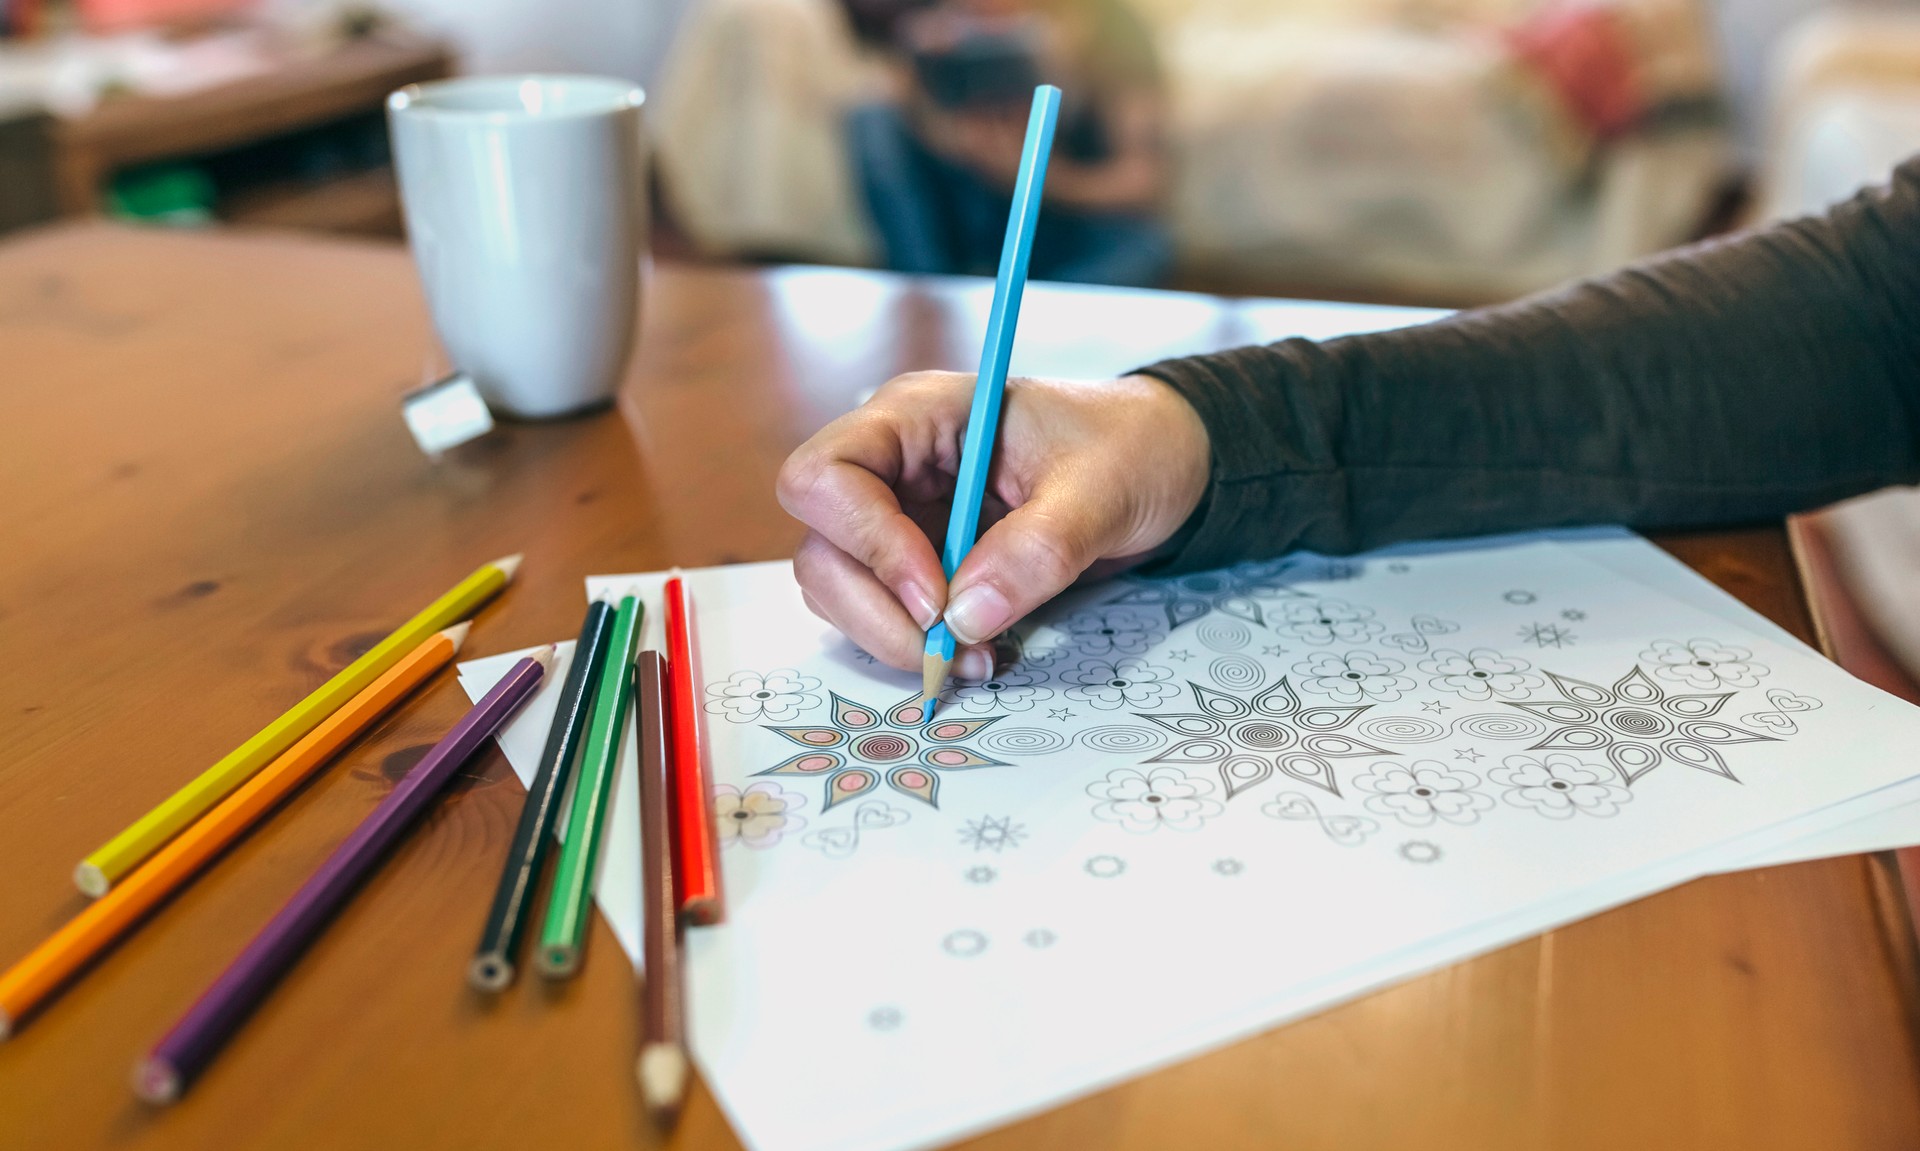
[
  {"x": 1703, "y": 664},
  {"x": 1418, "y": 640},
  {"x": 1354, "y": 677},
  {"x": 1480, "y": 674},
  {"x": 1785, "y": 705},
  {"x": 1123, "y": 739},
  {"x": 863, "y": 745},
  {"x": 1236, "y": 673},
  {"x": 1242, "y": 591},
  {"x": 1113, "y": 684},
  {"x": 1325, "y": 621},
  {"x": 840, "y": 842},
  {"x": 1248, "y": 738},
  {"x": 1024, "y": 742},
  {"x": 1110, "y": 631},
  {"x": 1345, "y": 830},
  {"x": 1559, "y": 786},
  {"x": 1637, "y": 725},
  {"x": 995, "y": 835},
  {"x": 1401, "y": 729},
  {"x": 1014, "y": 690},
  {"x": 750, "y": 696},
  {"x": 1546, "y": 635},
  {"x": 1148, "y": 801},
  {"x": 1423, "y": 793},
  {"x": 757, "y": 817}
]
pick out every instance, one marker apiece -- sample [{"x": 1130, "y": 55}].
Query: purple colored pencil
[{"x": 186, "y": 1050}]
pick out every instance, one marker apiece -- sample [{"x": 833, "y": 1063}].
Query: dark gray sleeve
[{"x": 1736, "y": 380}]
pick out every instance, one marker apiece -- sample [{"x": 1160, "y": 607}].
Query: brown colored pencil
[{"x": 663, "y": 1049}]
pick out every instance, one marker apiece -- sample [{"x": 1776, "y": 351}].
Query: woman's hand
[{"x": 1084, "y": 474}]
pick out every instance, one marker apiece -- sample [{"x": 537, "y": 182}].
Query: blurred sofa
[{"x": 1448, "y": 151}]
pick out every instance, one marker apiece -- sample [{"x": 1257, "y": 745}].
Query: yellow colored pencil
[
  {"x": 98, "y": 872},
  {"x": 27, "y": 983}
]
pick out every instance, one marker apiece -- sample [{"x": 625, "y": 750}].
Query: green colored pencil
[{"x": 571, "y": 903}]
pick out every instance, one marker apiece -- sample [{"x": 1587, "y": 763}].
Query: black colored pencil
[
  {"x": 493, "y": 961},
  {"x": 663, "y": 1051}
]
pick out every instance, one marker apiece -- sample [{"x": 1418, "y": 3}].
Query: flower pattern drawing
[
  {"x": 757, "y": 817},
  {"x": 1480, "y": 674},
  {"x": 1325, "y": 621},
  {"x": 1423, "y": 793},
  {"x": 1354, "y": 677},
  {"x": 1559, "y": 786},
  {"x": 1637, "y": 724},
  {"x": 1110, "y": 684},
  {"x": 1703, "y": 664},
  {"x": 863, "y": 745},
  {"x": 776, "y": 696},
  {"x": 1242, "y": 591},
  {"x": 1012, "y": 690},
  {"x": 1248, "y": 738},
  {"x": 1113, "y": 632},
  {"x": 1148, "y": 801}
]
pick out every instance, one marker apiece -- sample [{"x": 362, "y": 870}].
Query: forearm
[{"x": 1735, "y": 381}]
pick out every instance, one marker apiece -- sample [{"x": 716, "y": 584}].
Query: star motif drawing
[
  {"x": 1240, "y": 591},
  {"x": 995, "y": 835},
  {"x": 1273, "y": 649},
  {"x": 1638, "y": 725},
  {"x": 1063, "y": 714},
  {"x": 1470, "y": 754},
  {"x": 1546, "y": 635},
  {"x": 980, "y": 876},
  {"x": 1399, "y": 567},
  {"x": 1228, "y": 867},
  {"x": 1573, "y": 615},
  {"x": 862, "y": 745},
  {"x": 1248, "y": 738},
  {"x": 1434, "y": 707},
  {"x": 1183, "y": 655}
]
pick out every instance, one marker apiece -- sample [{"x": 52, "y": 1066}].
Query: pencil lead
[
  {"x": 458, "y": 634},
  {"x": 156, "y": 1081},
  {"x": 489, "y": 972},
  {"x": 510, "y": 564}
]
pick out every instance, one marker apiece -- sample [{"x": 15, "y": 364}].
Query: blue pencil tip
[{"x": 926, "y": 709}]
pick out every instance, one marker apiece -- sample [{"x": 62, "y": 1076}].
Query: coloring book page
[{"x": 1190, "y": 808}]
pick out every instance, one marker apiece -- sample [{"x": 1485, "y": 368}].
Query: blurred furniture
[
  {"x": 305, "y": 93},
  {"x": 1444, "y": 150},
  {"x": 1844, "y": 94},
  {"x": 26, "y": 166}
]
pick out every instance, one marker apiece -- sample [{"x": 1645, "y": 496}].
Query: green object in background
[
  {"x": 173, "y": 194},
  {"x": 570, "y": 904}
]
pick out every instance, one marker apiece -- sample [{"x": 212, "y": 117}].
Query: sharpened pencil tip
[
  {"x": 508, "y": 565},
  {"x": 559, "y": 961},
  {"x": 544, "y": 657},
  {"x": 933, "y": 676},
  {"x": 156, "y": 1081},
  {"x": 663, "y": 1081},
  {"x": 90, "y": 879},
  {"x": 458, "y": 634}
]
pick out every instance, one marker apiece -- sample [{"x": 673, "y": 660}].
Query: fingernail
[
  {"x": 975, "y": 663},
  {"x": 919, "y": 605},
  {"x": 978, "y": 614}
]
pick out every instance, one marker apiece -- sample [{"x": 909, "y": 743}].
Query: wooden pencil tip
[
  {"x": 156, "y": 1081},
  {"x": 490, "y": 972},
  {"x": 90, "y": 879},
  {"x": 933, "y": 676},
  {"x": 544, "y": 657},
  {"x": 662, "y": 1071},
  {"x": 559, "y": 961},
  {"x": 509, "y": 564},
  {"x": 458, "y": 634}
]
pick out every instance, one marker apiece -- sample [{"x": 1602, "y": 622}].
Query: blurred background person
[{"x": 936, "y": 163}]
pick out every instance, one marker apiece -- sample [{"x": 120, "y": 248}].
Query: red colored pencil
[{"x": 698, "y": 873}]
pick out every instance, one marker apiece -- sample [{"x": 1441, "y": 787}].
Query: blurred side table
[
  {"x": 26, "y": 166},
  {"x": 305, "y": 93}
]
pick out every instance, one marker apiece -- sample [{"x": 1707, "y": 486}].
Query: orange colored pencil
[
  {"x": 31, "y": 980},
  {"x": 697, "y": 869}
]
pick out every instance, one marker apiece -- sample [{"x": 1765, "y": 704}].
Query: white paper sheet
[{"x": 909, "y": 965}]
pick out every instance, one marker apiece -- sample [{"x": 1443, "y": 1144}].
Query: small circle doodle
[
  {"x": 1500, "y": 725},
  {"x": 1420, "y": 851},
  {"x": 1106, "y": 866},
  {"x": 964, "y": 944},
  {"x": 1401, "y": 729},
  {"x": 884, "y": 1019},
  {"x": 1040, "y": 939}
]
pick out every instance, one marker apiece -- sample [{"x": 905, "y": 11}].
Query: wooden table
[{"x": 210, "y": 504}]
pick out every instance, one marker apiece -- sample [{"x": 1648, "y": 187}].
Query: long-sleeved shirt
[{"x": 1736, "y": 380}]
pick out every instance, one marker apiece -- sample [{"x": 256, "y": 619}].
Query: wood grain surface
[{"x": 210, "y": 504}]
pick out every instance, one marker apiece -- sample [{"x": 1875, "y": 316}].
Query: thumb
[{"x": 1030, "y": 556}]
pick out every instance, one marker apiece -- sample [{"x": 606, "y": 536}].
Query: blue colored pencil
[{"x": 976, "y": 450}]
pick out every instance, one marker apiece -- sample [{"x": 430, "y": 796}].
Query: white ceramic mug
[{"x": 525, "y": 200}]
